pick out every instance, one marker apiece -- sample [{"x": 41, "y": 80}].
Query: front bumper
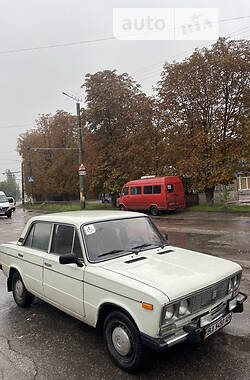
[{"x": 195, "y": 332}]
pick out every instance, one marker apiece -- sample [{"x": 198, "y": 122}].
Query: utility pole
[
  {"x": 80, "y": 149},
  {"x": 30, "y": 174},
  {"x": 22, "y": 173}
]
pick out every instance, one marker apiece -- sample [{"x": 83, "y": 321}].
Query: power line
[
  {"x": 84, "y": 42},
  {"x": 63, "y": 44}
]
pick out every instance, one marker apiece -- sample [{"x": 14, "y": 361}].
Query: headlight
[
  {"x": 169, "y": 312},
  {"x": 183, "y": 308},
  {"x": 234, "y": 283}
]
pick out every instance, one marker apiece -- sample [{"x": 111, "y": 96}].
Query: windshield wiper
[
  {"x": 143, "y": 245},
  {"x": 110, "y": 252}
]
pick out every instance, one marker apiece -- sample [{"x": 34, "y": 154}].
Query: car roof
[{"x": 82, "y": 217}]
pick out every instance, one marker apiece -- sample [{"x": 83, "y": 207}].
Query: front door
[{"x": 63, "y": 283}]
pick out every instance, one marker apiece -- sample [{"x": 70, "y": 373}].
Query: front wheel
[
  {"x": 154, "y": 211},
  {"x": 123, "y": 342},
  {"x": 122, "y": 208},
  {"x": 9, "y": 214},
  {"x": 21, "y": 295}
]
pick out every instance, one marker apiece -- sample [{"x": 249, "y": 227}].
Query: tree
[
  {"x": 54, "y": 171},
  {"x": 204, "y": 103},
  {"x": 119, "y": 117},
  {"x": 10, "y": 186}
]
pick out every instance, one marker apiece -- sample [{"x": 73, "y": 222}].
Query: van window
[
  {"x": 157, "y": 189},
  {"x": 125, "y": 191},
  {"x": 147, "y": 189},
  {"x": 135, "y": 190},
  {"x": 170, "y": 188}
]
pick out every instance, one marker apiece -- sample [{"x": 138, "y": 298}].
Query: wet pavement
[{"x": 42, "y": 342}]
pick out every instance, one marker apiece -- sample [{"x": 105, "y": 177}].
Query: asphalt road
[{"x": 44, "y": 343}]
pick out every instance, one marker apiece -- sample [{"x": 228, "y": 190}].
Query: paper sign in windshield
[{"x": 89, "y": 230}]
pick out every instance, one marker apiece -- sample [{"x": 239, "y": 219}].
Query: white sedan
[{"x": 116, "y": 272}]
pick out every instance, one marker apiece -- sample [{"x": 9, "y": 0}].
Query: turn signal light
[{"x": 147, "y": 306}]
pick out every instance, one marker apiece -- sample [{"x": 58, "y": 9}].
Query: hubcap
[
  {"x": 19, "y": 288},
  {"x": 121, "y": 341}
]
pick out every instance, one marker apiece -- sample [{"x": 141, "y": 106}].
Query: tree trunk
[{"x": 209, "y": 192}]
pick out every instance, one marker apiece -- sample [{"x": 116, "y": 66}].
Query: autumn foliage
[{"x": 196, "y": 126}]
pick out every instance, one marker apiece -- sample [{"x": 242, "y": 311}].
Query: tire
[
  {"x": 122, "y": 208},
  {"x": 123, "y": 342},
  {"x": 154, "y": 211},
  {"x": 9, "y": 214},
  {"x": 105, "y": 201},
  {"x": 21, "y": 295}
]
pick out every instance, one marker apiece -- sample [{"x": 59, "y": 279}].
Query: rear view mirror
[{"x": 69, "y": 258}]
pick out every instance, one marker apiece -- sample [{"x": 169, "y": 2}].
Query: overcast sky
[{"x": 32, "y": 81}]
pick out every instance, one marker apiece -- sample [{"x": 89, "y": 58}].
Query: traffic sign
[
  {"x": 82, "y": 169},
  {"x": 30, "y": 179}
]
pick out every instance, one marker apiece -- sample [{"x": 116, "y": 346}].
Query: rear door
[
  {"x": 170, "y": 196},
  {"x": 32, "y": 253},
  {"x": 63, "y": 283}
]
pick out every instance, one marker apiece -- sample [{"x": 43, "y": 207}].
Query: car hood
[
  {"x": 175, "y": 273},
  {"x": 4, "y": 204}
]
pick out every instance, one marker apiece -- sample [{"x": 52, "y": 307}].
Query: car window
[
  {"x": 28, "y": 240},
  {"x": 62, "y": 240},
  {"x": 170, "y": 188},
  {"x": 125, "y": 191},
  {"x": 110, "y": 239},
  {"x": 157, "y": 189},
  {"x": 147, "y": 190},
  {"x": 135, "y": 190},
  {"x": 41, "y": 236},
  {"x": 77, "y": 247}
]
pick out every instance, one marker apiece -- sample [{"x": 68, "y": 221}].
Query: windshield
[
  {"x": 113, "y": 238},
  {"x": 3, "y": 198}
]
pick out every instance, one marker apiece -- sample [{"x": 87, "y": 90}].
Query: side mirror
[{"x": 69, "y": 258}]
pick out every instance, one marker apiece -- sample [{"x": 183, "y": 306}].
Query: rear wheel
[
  {"x": 123, "y": 341},
  {"x": 154, "y": 211},
  {"x": 122, "y": 208},
  {"x": 22, "y": 297}
]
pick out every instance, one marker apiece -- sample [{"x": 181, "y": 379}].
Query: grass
[
  {"x": 55, "y": 207},
  {"x": 219, "y": 208}
]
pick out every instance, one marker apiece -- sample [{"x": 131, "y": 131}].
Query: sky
[{"x": 32, "y": 80}]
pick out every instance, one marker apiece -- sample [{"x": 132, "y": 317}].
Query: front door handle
[
  {"x": 20, "y": 255},
  {"x": 48, "y": 265}
]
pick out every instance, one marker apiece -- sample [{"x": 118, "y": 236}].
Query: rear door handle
[
  {"x": 20, "y": 255},
  {"x": 48, "y": 265}
]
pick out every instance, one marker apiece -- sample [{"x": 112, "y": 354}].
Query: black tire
[
  {"x": 14, "y": 209},
  {"x": 123, "y": 342},
  {"x": 9, "y": 214},
  {"x": 154, "y": 211},
  {"x": 105, "y": 201},
  {"x": 122, "y": 208},
  {"x": 21, "y": 295}
]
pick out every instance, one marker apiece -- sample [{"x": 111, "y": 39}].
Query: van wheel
[
  {"x": 21, "y": 295},
  {"x": 123, "y": 341},
  {"x": 154, "y": 211},
  {"x": 122, "y": 208}
]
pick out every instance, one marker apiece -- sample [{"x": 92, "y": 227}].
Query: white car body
[
  {"x": 145, "y": 284},
  {"x": 4, "y": 205}
]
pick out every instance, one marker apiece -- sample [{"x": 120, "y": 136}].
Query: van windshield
[
  {"x": 113, "y": 238},
  {"x": 3, "y": 198}
]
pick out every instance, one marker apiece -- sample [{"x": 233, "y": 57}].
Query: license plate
[{"x": 217, "y": 325}]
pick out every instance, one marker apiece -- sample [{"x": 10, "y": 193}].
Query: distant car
[
  {"x": 106, "y": 198},
  {"x": 115, "y": 271},
  {"x": 4, "y": 205},
  {"x": 12, "y": 203}
]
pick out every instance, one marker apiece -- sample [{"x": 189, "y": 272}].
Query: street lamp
[{"x": 80, "y": 150}]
